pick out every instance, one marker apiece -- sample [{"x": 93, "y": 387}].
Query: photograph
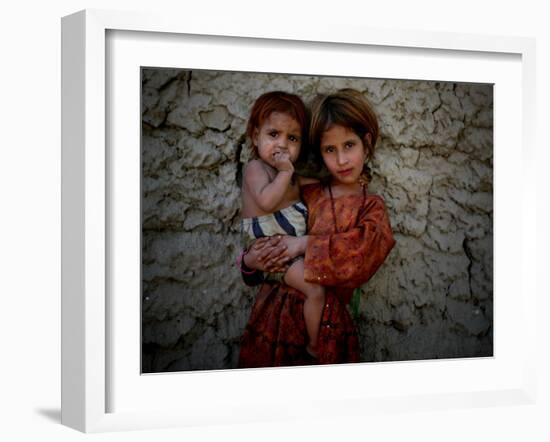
[
  {"x": 298, "y": 220},
  {"x": 294, "y": 221}
]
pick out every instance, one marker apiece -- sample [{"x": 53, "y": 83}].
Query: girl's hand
[
  {"x": 288, "y": 247},
  {"x": 295, "y": 246},
  {"x": 264, "y": 250}
]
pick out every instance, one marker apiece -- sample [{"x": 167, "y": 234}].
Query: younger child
[{"x": 270, "y": 192}]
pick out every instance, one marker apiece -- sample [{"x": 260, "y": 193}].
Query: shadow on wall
[{"x": 433, "y": 298}]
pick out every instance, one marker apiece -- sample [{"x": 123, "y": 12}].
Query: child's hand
[{"x": 282, "y": 162}]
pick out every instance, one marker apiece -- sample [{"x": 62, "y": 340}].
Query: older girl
[{"x": 349, "y": 236}]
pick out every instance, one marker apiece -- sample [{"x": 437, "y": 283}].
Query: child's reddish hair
[{"x": 277, "y": 101}]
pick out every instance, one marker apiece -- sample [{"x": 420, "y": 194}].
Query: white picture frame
[{"x": 86, "y": 210}]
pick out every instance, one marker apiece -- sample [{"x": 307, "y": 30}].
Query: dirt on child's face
[
  {"x": 279, "y": 133},
  {"x": 343, "y": 153}
]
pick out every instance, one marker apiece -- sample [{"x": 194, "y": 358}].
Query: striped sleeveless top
[{"x": 291, "y": 220}]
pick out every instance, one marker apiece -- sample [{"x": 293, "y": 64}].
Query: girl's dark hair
[
  {"x": 347, "y": 108},
  {"x": 278, "y": 101}
]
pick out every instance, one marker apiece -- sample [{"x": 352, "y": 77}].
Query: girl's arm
[
  {"x": 266, "y": 194},
  {"x": 250, "y": 275},
  {"x": 349, "y": 259}
]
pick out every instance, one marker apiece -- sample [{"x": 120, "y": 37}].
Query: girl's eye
[
  {"x": 329, "y": 149},
  {"x": 273, "y": 134},
  {"x": 293, "y": 138},
  {"x": 349, "y": 145}
]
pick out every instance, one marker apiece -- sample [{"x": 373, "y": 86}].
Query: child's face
[
  {"x": 343, "y": 153},
  {"x": 279, "y": 133}
]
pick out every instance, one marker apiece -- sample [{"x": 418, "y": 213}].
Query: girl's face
[
  {"x": 279, "y": 133},
  {"x": 344, "y": 154}
]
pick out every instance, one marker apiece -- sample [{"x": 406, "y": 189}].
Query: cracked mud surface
[{"x": 433, "y": 298}]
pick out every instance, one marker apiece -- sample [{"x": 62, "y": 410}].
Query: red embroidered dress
[{"x": 341, "y": 258}]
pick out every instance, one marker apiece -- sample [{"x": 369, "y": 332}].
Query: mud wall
[{"x": 433, "y": 296}]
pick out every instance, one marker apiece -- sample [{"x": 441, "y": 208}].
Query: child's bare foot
[{"x": 312, "y": 351}]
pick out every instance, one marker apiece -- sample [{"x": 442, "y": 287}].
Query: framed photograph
[{"x": 154, "y": 120}]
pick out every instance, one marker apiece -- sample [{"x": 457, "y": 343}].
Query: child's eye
[
  {"x": 273, "y": 133},
  {"x": 329, "y": 149},
  {"x": 293, "y": 138},
  {"x": 349, "y": 145}
]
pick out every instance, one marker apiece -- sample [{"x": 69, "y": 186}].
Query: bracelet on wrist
[{"x": 241, "y": 265}]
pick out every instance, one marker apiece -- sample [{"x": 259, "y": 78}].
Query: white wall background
[{"x": 30, "y": 219}]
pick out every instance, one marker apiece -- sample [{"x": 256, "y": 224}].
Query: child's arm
[{"x": 265, "y": 193}]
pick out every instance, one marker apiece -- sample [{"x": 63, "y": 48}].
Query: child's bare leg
[{"x": 313, "y": 305}]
